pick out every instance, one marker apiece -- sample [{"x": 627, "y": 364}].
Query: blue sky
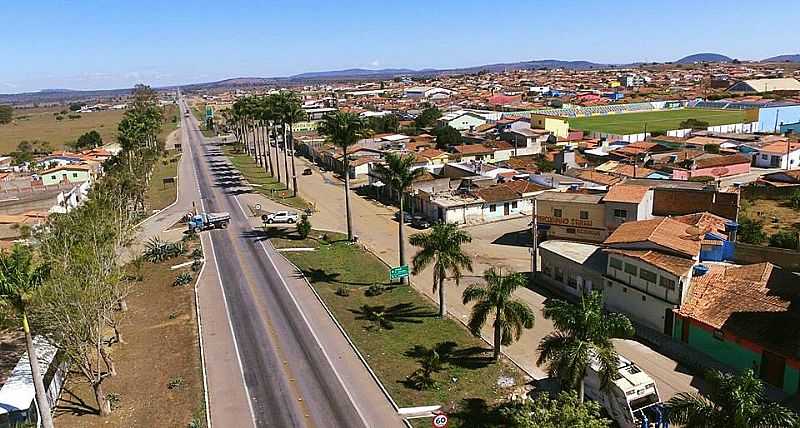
[{"x": 96, "y": 44}]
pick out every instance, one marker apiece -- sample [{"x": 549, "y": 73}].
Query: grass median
[
  {"x": 395, "y": 328},
  {"x": 262, "y": 182}
]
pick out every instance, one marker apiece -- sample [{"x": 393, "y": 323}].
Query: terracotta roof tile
[
  {"x": 524, "y": 186},
  {"x": 627, "y": 193},
  {"x": 722, "y": 161},
  {"x": 673, "y": 264},
  {"x": 497, "y": 193},
  {"x": 664, "y": 232}
]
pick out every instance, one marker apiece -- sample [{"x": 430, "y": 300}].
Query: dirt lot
[
  {"x": 160, "y": 329},
  {"x": 776, "y": 214},
  {"x": 41, "y": 124}
]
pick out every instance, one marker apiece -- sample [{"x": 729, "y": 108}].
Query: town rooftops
[
  {"x": 67, "y": 168},
  {"x": 581, "y": 253},
  {"x": 755, "y": 302},
  {"x": 626, "y": 193},
  {"x": 720, "y": 161},
  {"x": 524, "y": 186},
  {"x": 779, "y": 148},
  {"x": 473, "y": 149},
  {"x": 582, "y": 198},
  {"x": 664, "y": 232},
  {"x": 497, "y": 193},
  {"x": 705, "y": 221}
]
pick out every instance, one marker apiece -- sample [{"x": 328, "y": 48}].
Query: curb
[
  {"x": 200, "y": 337},
  {"x": 344, "y": 333}
]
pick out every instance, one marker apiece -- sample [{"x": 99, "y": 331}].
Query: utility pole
[{"x": 534, "y": 237}]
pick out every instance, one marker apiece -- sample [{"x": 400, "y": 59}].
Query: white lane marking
[
  {"x": 308, "y": 324},
  {"x": 227, "y": 308}
]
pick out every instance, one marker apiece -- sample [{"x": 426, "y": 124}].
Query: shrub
[
  {"x": 113, "y": 399},
  {"x": 155, "y": 250},
  {"x": 784, "y": 239},
  {"x": 197, "y": 253},
  {"x": 182, "y": 279},
  {"x": 751, "y": 231},
  {"x": 343, "y": 290},
  {"x": 375, "y": 290},
  {"x": 304, "y": 227},
  {"x": 175, "y": 382},
  {"x": 794, "y": 200},
  {"x": 197, "y": 265}
]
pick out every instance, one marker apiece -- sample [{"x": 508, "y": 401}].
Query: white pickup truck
[{"x": 280, "y": 217}]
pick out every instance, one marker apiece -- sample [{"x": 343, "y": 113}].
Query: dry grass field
[{"x": 41, "y": 124}]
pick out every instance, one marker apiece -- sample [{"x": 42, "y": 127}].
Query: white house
[
  {"x": 426, "y": 92},
  {"x": 775, "y": 155},
  {"x": 462, "y": 120}
]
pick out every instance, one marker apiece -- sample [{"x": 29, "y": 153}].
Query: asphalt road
[{"x": 289, "y": 378}]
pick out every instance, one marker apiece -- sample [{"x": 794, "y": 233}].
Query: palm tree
[
  {"x": 20, "y": 276},
  {"x": 510, "y": 315},
  {"x": 583, "y": 334},
  {"x": 344, "y": 129},
  {"x": 442, "y": 248},
  {"x": 734, "y": 401},
  {"x": 398, "y": 174},
  {"x": 292, "y": 113}
]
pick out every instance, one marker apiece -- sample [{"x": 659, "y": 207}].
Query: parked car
[
  {"x": 406, "y": 217},
  {"x": 280, "y": 217},
  {"x": 420, "y": 222},
  {"x": 307, "y": 171}
]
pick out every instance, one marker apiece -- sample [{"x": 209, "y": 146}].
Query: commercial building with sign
[{"x": 572, "y": 216}]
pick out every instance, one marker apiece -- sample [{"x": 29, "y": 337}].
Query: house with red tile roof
[{"x": 717, "y": 166}]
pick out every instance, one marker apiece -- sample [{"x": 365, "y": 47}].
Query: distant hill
[
  {"x": 703, "y": 57},
  {"x": 352, "y": 72},
  {"x": 783, "y": 58}
]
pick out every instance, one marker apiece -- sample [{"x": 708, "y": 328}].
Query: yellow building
[
  {"x": 555, "y": 125},
  {"x": 571, "y": 216}
]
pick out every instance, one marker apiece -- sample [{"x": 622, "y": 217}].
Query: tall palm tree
[
  {"x": 280, "y": 101},
  {"x": 734, "y": 401},
  {"x": 344, "y": 129},
  {"x": 20, "y": 276},
  {"x": 496, "y": 296},
  {"x": 442, "y": 248},
  {"x": 398, "y": 174},
  {"x": 293, "y": 113},
  {"x": 583, "y": 333}
]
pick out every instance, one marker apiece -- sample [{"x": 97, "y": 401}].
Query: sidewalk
[{"x": 377, "y": 231}]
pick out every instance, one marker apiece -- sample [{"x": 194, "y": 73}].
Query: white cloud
[{"x": 375, "y": 63}]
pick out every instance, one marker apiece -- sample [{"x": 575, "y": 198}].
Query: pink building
[{"x": 718, "y": 166}]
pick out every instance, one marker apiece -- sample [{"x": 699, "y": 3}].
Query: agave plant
[
  {"x": 182, "y": 279},
  {"x": 156, "y": 250}
]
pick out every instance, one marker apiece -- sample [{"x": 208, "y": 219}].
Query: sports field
[
  {"x": 41, "y": 124},
  {"x": 632, "y": 123}
]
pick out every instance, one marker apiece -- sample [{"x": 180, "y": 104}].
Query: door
[
  {"x": 685, "y": 330},
  {"x": 772, "y": 367},
  {"x": 505, "y": 208},
  {"x": 669, "y": 321}
]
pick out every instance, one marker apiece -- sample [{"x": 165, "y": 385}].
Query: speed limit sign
[{"x": 440, "y": 421}]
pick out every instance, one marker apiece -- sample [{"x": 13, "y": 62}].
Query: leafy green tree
[
  {"x": 89, "y": 140},
  {"x": 784, "y": 239},
  {"x": 733, "y": 401},
  {"x": 427, "y": 117},
  {"x": 20, "y": 277},
  {"x": 344, "y": 129},
  {"x": 495, "y": 297},
  {"x": 583, "y": 333},
  {"x": 563, "y": 411},
  {"x": 398, "y": 174},
  {"x": 751, "y": 231},
  {"x": 711, "y": 148},
  {"x": 794, "y": 200},
  {"x": 447, "y": 137},
  {"x": 693, "y": 124},
  {"x": 291, "y": 113},
  {"x": 381, "y": 124},
  {"x": 6, "y": 114},
  {"x": 441, "y": 247},
  {"x": 75, "y": 106}
]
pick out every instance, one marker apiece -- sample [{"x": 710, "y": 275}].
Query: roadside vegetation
[
  {"x": 771, "y": 220},
  {"x": 261, "y": 181},
  {"x": 85, "y": 297}
]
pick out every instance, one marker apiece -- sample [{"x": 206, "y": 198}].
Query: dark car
[
  {"x": 307, "y": 171},
  {"x": 406, "y": 217},
  {"x": 420, "y": 222}
]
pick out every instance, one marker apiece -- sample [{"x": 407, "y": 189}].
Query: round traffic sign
[{"x": 440, "y": 421}]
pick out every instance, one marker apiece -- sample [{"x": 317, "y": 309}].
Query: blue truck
[{"x": 206, "y": 221}]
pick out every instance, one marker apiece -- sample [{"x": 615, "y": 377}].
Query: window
[
  {"x": 648, "y": 276},
  {"x": 644, "y": 298},
  {"x": 584, "y": 215},
  {"x": 615, "y": 263},
  {"x": 572, "y": 282},
  {"x": 559, "y": 275},
  {"x": 74, "y": 175},
  {"x": 667, "y": 283},
  {"x": 631, "y": 269},
  {"x": 718, "y": 334},
  {"x": 571, "y": 230},
  {"x": 514, "y": 204},
  {"x": 492, "y": 208},
  {"x": 623, "y": 214},
  {"x": 764, "y": 157},
  {"x": 546, "y": 269},
  {"x": 557, "y": 212}
]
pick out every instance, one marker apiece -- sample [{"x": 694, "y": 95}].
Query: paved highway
[{"x": 284, "y": 358}]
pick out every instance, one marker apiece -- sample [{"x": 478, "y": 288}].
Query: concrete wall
[
  {"x": 685, "y": 201},
  {"x": 674, "y": 296},
  {"x": 770, "y": 118},
  {"x": 584, "y": 278},
  {"x": 747, "y": 254}
]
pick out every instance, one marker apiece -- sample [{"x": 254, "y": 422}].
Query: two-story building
[
  {"x": 627, "y": 202},
  {"x": 571, "y": 216},
  {"x": 66, "y": 174}
]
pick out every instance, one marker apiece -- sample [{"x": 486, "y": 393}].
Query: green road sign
[{"x": 398, "y": 272}]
